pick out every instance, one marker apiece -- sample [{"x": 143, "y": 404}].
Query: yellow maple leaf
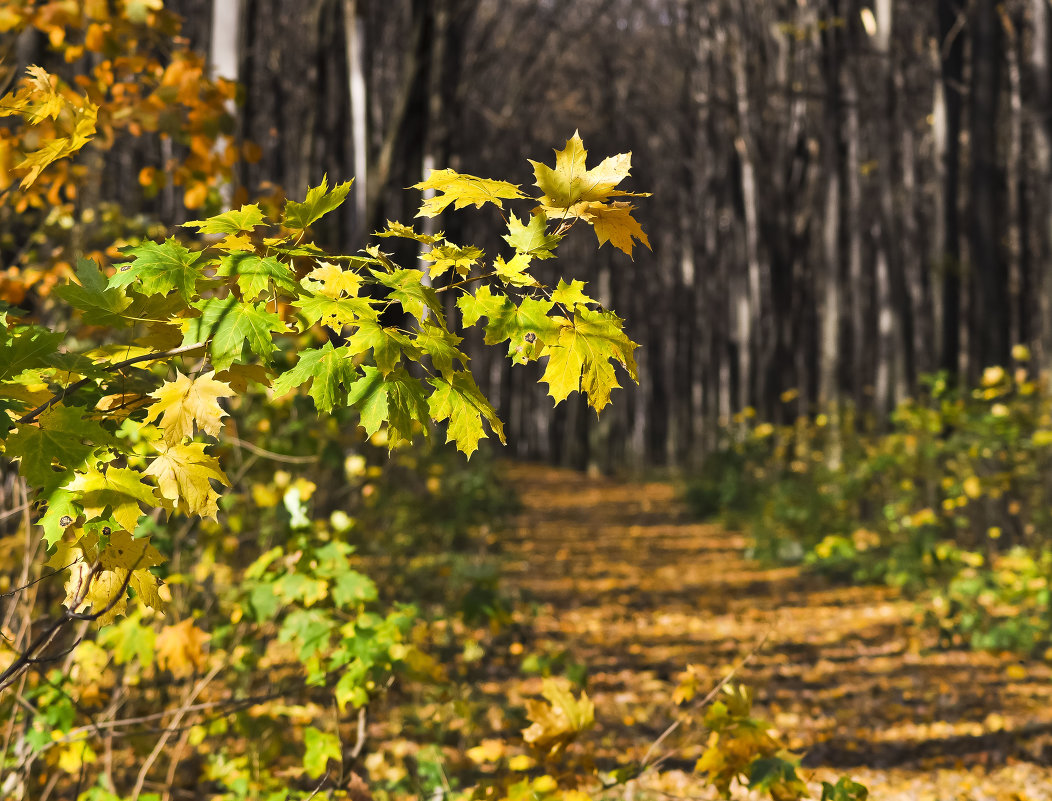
[
  {"x": 184, "y": 473},
  {"x": 180, "y": 648},
  {"x": 335, "y": 281},
  {"x": 119, "y": 489},
  {"x": 99, "y": 580},
  {"x": 615, "y": 224},
  {"x": 556, "y": 723},
  {"x": 186, "y": 401},
  {"x": 463, "y": 190}
]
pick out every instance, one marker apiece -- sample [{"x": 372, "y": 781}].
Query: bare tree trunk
[
  {"x": 357, "y": 90},
  {"x": 225, "y": 62},
  {"x": 985, "y": 219},
  {"x": 1041, "y": 104},
  {"x": 748, "y": 289},
  {"x": 947, "y": 113}
]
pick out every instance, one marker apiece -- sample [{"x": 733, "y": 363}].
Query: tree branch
[{"x": 67, "y": 391}]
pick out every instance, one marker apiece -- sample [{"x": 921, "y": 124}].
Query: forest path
[{"x": 630, "y": 586}]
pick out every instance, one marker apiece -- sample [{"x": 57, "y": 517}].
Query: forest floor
[{"x": 628, "y": 585}]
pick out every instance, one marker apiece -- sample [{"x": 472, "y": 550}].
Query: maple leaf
[
  {"x": 570, "y": 182},
  {"x": 26, "y": 348},
  {"x": 581, "y": 359},
  {"x": 451, "y": 257},
  {"x": 99, "y": 592},
  {"x": 527, "y": 326},
  {"x": 180, "y": 648},
  {"x": 61, "y": 513},
  {"x": 228, "y": 325},
  {"x": 186, "y": 401},
  {"x": 184, "y": 473},
  {"x": 407, "y": 288},
  {"x": 330, "y": 371},
  {"x": 83, "y": 130},
  {"x": 319, "y": 202},
  {"x": 101, "y": 305},
  {"x": 387, "y": 344},
  {"x": 37, "y": 100},
  {"x": 570, "y": 294},
  {"x": 336, "y": 313},
  {"x": 255, "y": 274},
  {"x": 615, "y": 224},
  {"x": 405, "y": 232},
  {"x": 319, "y": 748},
  {"x": 119, "y": 490},
  {"x": 61, "y": 442},
  {"x": 557, "y": 723},
  {"x": 440, "y": 346},
  {"x": 532, "y": 238},
  {"x": 514, "y": 272},
  {"x": 335, "y": 281},
  {"x": 235, "y": 221},
  {"x": 160, "y": 268},
  {"x": 459, "y": 400},
  {"x": 395, "y": 398},
  {"x": 463, "y": 190}
]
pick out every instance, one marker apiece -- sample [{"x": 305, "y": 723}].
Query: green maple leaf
[
  {"x": 118, "y": 490},
  {"x": 463, "y": 190},
  {"x": 386, "y": 344},
  {"x": 406, "y": 405},
  {"x": 369, "y": 395},
  {"x": 514, "y": 272},
  {"x": 160, "y": 268},
  {"x": 570, "y": 294},
  {"x": 100, "y": 304},
  {"x": 334, "y": 312},
  {"x": 61, "y": 513},
  {"x": 451, "y": 257},
  {"x": 583, "y": 357},
  {"x": 228, "y": 325},
  {"x": 396, "y": 399},
  {"x": 527, "y": 327},
  {"x": 441, "y": 347},
  {"x": 319, "y": 202},
  {"x": 63, "y": 438},
  {"x": 235, "y": 221},
  {"x": 330, "y": 371},
  {"x": 255, "y": 274},
  {"x": 484, "y": 303},
  {"x": 407, "y": 288},
  {"x": 459, "y": 400},
  {"x": 26, "y": 348},
  {"x": 532, "y": 238}
]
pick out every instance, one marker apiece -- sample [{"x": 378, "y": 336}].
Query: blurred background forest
[{"x": 848, "y": 195}]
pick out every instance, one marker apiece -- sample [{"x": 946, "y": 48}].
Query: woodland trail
[{"x": 632, "y": 588}]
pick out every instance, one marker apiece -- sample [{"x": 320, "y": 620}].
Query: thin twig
[
  {"x": 67, "y": 391},
  {"x": 148, "y": 763},
  {"x": 276, "y": 457},
  {"x": 645, "y": 763}
]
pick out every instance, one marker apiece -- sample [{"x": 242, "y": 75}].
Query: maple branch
[
  {"x": 162, "y": 741},
  {"x": 276, "y": 457},
  {"x": 67, "y": 391},
  {"x": 26, "y": 586},
  {"x": 466, "y": 281}
]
